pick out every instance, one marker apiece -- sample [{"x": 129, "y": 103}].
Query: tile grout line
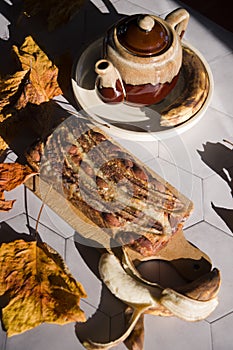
[
  {"x": 219, "y": 111},
  {"x": 215, "y": 59},
  {"x": 219, "y": 229},
  {"x": 211, "y": 337},
  {"x": 181, "y": 168},
  {"x": 65, "y": 249},
  {"x": 12, "y": 217},
  {"x": 169, "y": 162},
  {"x": 47, "y": 227},
  {"x": 220, "y": 317},
  {"x": 193, "y": 225},
  {"x": 96, "y": 308},
  {"x": 110, "y": 328},
  {"x": 202, "y": 199},
  {"x": 210, "y": 224}
]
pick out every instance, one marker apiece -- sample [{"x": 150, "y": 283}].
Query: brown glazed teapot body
[{"x": 142, "y": 59}]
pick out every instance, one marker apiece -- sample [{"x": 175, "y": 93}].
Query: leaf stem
[{"x": 41, "y": 209}]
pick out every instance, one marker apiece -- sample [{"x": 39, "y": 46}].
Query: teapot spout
[{"x": 109, "y": 86}]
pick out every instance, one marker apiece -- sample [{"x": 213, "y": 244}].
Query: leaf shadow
[
  {"x": 8, "y": 234},
  {"x": 219, "y": 158},
  {"x": 30, "y": 124},
  {"x": 97, "y": 326},
  {"x": 108, "y": 305},
  {"x": 63, "y": 44}
]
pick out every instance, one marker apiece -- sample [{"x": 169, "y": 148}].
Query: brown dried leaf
[
  {"x": 6, "y": 205},
  {"x": 35, "y": 83},
  {"x": 9, "y": 88},
  {"x": 42, "y": 83},
  {"x": 38, "y": 286},
  {"x": 56, "y": 12},
  {"x": 3, "y": 145},
  {"x": 11, "y": 176}
]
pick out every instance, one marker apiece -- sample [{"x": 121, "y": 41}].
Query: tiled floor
[{"x": 198, "y": 163}]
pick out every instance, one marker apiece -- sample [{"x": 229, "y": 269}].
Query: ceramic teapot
[{"x": 142, "y": 57}]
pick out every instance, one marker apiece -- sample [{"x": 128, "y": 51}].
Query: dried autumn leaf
[
  {"x": 42, "y": 83},
  {"x": 11, "y": 176},
  {"x": 35, "y": 83},
  {"x": 9, "y": 88},
  {"x": 5, "y": 205},
  {"x": 3, "y": 145},
  {"x": 39, "y": 287},
  {"x": 57, "y": 12}
]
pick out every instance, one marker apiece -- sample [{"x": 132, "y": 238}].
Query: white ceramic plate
[{"x": 124, "y": 121}]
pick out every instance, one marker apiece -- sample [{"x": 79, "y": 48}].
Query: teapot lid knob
[
  {"x": 142, "y": 35},
  {"x": 146, "y": 23}
]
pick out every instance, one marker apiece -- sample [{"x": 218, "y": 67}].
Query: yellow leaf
[
  {"x": 9, "y": 88},
  {"x": 11, "y": 176},
  {"x": 3, "y": 145},
  {"x": 39, "y": 287},
  {"x": 42, "y": 84}
]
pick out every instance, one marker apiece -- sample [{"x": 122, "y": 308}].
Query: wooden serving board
[
  {"x": 187, "y": 259},
  {"x": 69, "y": 213}
]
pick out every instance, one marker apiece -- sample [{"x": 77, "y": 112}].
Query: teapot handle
[{"x": 178, "y": 19}]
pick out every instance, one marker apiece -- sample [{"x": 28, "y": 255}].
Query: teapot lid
[{"x": 143, "y": 35}]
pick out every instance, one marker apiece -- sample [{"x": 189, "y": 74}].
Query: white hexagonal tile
[
  {"x": 188, "y": 184},
  {"x": 2, "y": 339},
  {"x": 82, "y": 272},
  {"x": 100, "y": 5},
  {"x": 103, "y": 6},
  {"x": 218, "y": 246},
  {"x": 128, "y": 8},
  {"x": 170, "y": 333},
  {"x": 51, "y": 336},
  {"x": 4, "y": 30},
  {"x": 83, "y": 262},
  {"x": 18, "y": 206},
  {"x": 222, "y": 73},
  {"x": 186, "y": 150},
  {"x": 10, "y": 156},
  {"x": 222, "y": 333},
  {"x": 46, "y": 336},
  {"x": 157, "y": 7},
  {"x": 218, "y": 203},
  {"x": 219, "y": 40}
]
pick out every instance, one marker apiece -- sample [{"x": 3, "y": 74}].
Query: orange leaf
[
  {"x": 3, "y": 145},
  {"x": 11, "y": 176},
  {"x": 9, "y": 88},
  {"x": 6, "y": 205}
]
